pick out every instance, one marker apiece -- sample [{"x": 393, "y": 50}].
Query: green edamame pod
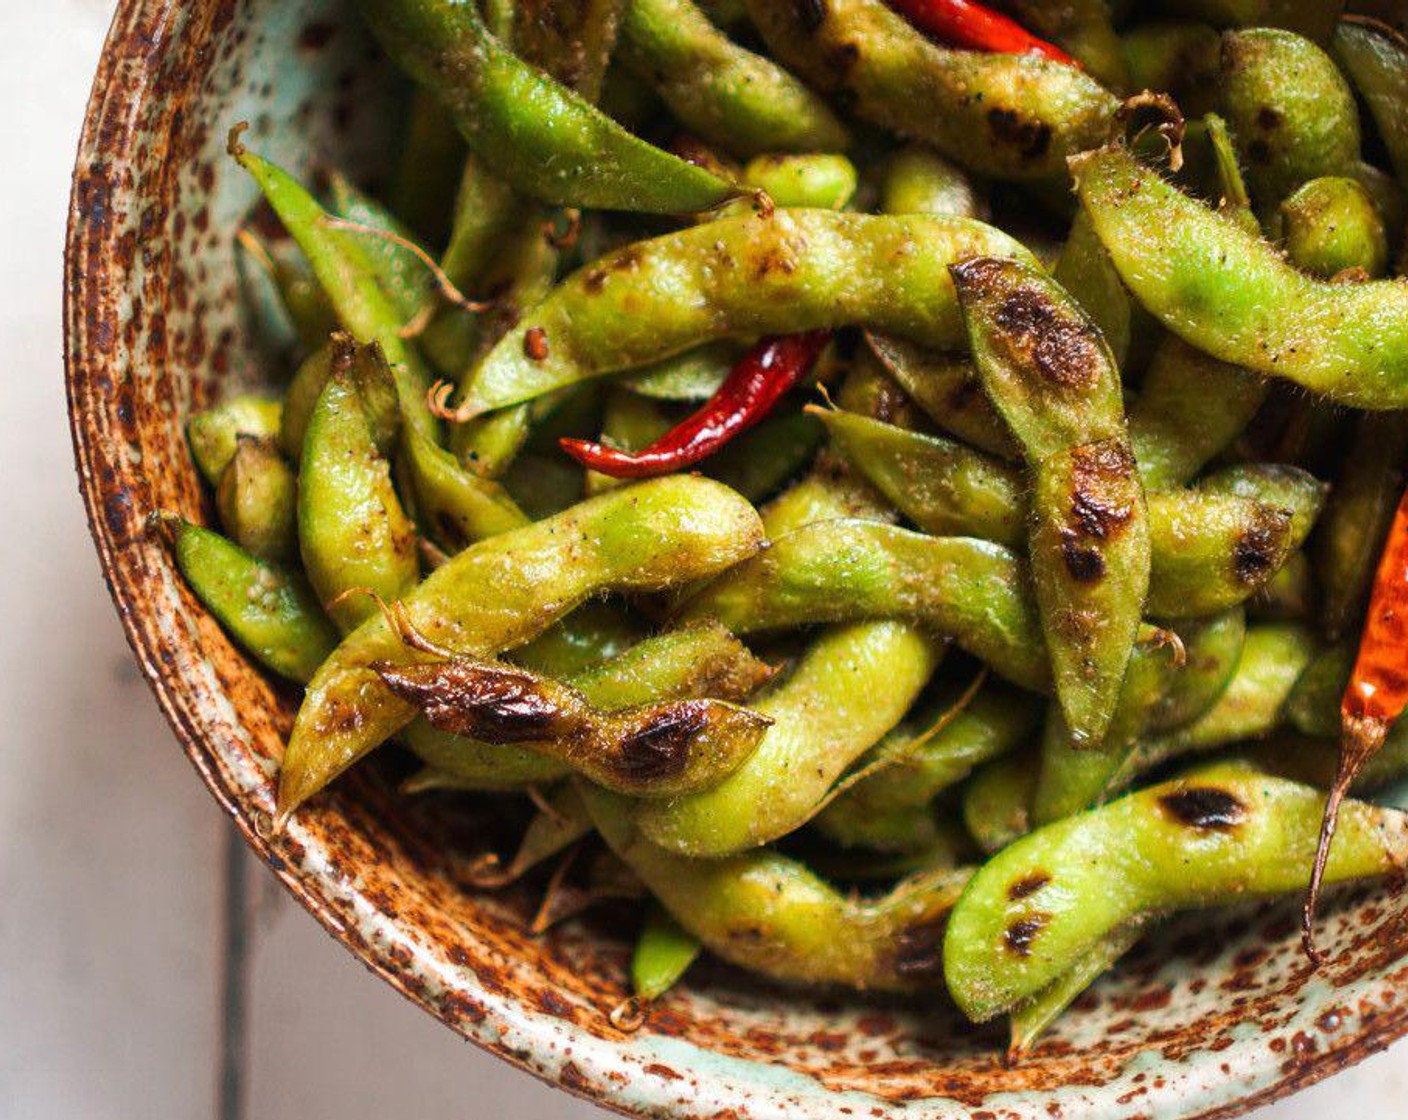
[
  {"x": 1376, "y": 58},
  {"x": 931, "y": 751},
  {"x": 591, "y": 635},
  {"x": 818, "y": 182},
  {"x": 1313, "y": 706},
  {"x": 789, "y": 271},
  {"x": 772, "y": 916},
  {"x": 544, "y": 139},
  {"x": 664, "y": 951},
  {"x": 1219, "y": 835},
  {"x": 1314, "y": 761},
  {"x": 214, "y": 432},
  {"x": 352, "y": 530},
  {"x": 304, "y": 390},
  {"x": 868, "y": 390},
  {"x": 423, "y": 185},
  {"x": 1083, "y": 28},
  {"x": 1178, "y": 58},
  {"x": 1003, "y": 115},
  {"x": 270, "y": 612},
  {"x": 1358, "y": 517},
  {"x": 1085, "y": 271},
  {"x": 1290, "y": 109},
  {"x": 760, "y": 462},
  {"x": 400, "y": 272},
  {"x": 504, "y": 591},
  {"x": 729, "y": 96},
  {"x": 920, "y": 181},
  {"x": 694, "y": 375},
  {"x": 1191, "y": 407},
  {"x": 1288, "y": 596},
  {"x": 851, "y": 686},
  {"x": 1051, "y": 375},
  {"x": 1231, "y": 295},
  {"x": 1389, "y": 199},
  {"x": 1331, "y": 226},
  {"x": 669, "y": 749},
  {"x": 573, "y": 42},
  {"x": 1214, "y": 650},
  {"x": 997, "y": 802},
  {"x": 300, "y": 296},
  {"x": 258, "y": 500},
  {"x": 947, "y": 388},
  {"x": 630, "y": 422},
  {"x": 457, "y": 506}
]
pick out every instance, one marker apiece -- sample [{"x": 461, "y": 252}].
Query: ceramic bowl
[{"x": 1211, "y": 1018}]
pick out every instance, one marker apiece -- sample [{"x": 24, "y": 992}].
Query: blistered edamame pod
[
  {"x": 1178, "y": 58},
  {"x": 946, "y": 387},
  {"x": 868, "y": 390},
  {"x": 760, "y": 462},
  {"x": 268, "y": 610},
  {"x": 258, "y": 500},
  {"x": 663, "y": 953},
  {"x": 788, "y": 271},
  {"x": 352, "y": 531},
  {"x": 1083, "y": 28},
  {"x": 667, "y": 749},
  {"x": 1233, "y": 296},
  {"x": 1219, "y": 835},
  {"x": 1007, "y": 116},
  {"x": 851, "y": 686},
  {"x": 573, "y": 42},
  {"x": 1376, "y": 58},
  {"x": 997, "y": 803},
  {"x": 348, "y": 278},
  {"x": 504, "y": 591},
  {"x": 973, "y": 591},
  {"x": 918, "y": 180},
  {"x": 533, "y": 131},
  {"x": 770, "y": 915},
  {"x": 931, "y": 751},
  {"x": 1331, "y": 226},
  {"x": 214, "y": 432},
  {"x": 1190, "y": 408},
  {"x": 807, "y": 181},
  {"x": 691, "y": 663},
  {"x": 1273, "y": 657},
  {"x": 459, "y": 507},
  {"x": 1085, "y": 271},
  {"x": 1051, "y": 375},
  {"x": 727, "y": 95}
]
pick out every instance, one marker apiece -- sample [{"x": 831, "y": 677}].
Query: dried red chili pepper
[
  {"x": 759, "y": 380},
  {"x": 1375, "y": 697},
  {"x": 962, "y": 23}
]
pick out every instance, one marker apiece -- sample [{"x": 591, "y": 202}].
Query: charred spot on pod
[
  {"x": 919, "y": 950},
  {"x": 1084, "y": 562},
  {"x": 1019, "y": 936},
  {"x": 1030, "y": 137},
  {"x": 497, "y": 705},
  {"x": 1268, "y": 119},
  {"x": 661, "y": 748},
  {"x": 842, "y": 59},
  {"x": 1028, "y": 885},
  {"x": 1206, "y": 808},
  {"x": 1102, "y": 490},
  {"x": 1259, "y": 546}
]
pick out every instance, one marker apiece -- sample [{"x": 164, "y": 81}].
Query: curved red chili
[
  {"x": 753, "y": 387},
  {"x": 962, "y": 23},
  {"x": 1375, "y": 697}
]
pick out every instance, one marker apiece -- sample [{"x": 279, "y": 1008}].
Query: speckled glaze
[{"x": 1212, "y": 1017}]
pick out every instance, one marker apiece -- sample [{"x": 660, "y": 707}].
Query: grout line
[{"x": 234, "y": 978}]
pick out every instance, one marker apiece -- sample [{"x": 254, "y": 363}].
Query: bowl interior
[{"x": 1211, "y": 1016}]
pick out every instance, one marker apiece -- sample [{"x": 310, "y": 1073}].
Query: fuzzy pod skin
[
  {"x": 1217, "y": 836},
  {"x": 257, "y": 500},
  {"x": 1331, "y": 226},
  {"x": 652, "y": 750},
  {"x": 271, "y": 612},
  {"x": 691, "y": 663},
  {"x": 851, "y": 686},
  {"x": 1289, "y": 107},
  {"x": 504, "y": 591},
  {"x": 534, "y": 132},
  {"x": 1051, "y": 375},
  {"x": 1214, "y": 650},
  {"x": 793, "y": 270},
  {"x": 931, "y": 751},
  {"x": 729, "y": 96},
  {"x": 1230, "y": 293},
  {"x": 1376, "y": 58},
  {"x": 772, "y": 916},
  {"x": 1001, "y": 115},
  {"x": 214, "y": 432},
  {"x": 352, "y": 531}
]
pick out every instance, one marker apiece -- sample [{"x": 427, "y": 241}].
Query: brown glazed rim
[{"x": 96, "y": 282}]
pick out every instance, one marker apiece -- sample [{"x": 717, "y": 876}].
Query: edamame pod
[
  {"x": 1231, "y": 295},
  {"x": 761, "y": 461},
  {"x": 502, "y": 592},
  {"x": 1376, "y": 58},
  {"x": 920, "y": 181},
  {"x": 1050, "y": 374},
  {"x": 544, "y": 139},
  {"x": 1004, "y": 115},
  {"x": 401, "y": 273},
  {"x": 997, "y": 803},
  {"x": 789, "y": 271},
  {"x": 1082, "y": 27},
  {"x": 269, "y": 611},
  {"x": 214, "y": 432},
  {"x": 258, "y": 499},
  {"x": 1331, "y": 226},
  {"x": 1219, "y": 835},
  {"x": 1085, "y": 271},
  {"x": 770, "y": 915},
  {"x": 457, "y": 506},
  {"x": 664, "y": 951},
  {"x": 1177, "y": 57},
  {"x": 731, "y": 97},
  {"x": 807, "y": 181},
  {"x": 574, "y": 41}
]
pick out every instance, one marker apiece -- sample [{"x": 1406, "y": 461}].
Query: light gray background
[{"x": 112, "y": 856}]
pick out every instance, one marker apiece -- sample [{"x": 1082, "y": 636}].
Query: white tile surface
[{"x": 110, "y": 852}]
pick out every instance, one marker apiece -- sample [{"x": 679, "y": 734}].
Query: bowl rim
[{"x": 111, "y": 122}]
